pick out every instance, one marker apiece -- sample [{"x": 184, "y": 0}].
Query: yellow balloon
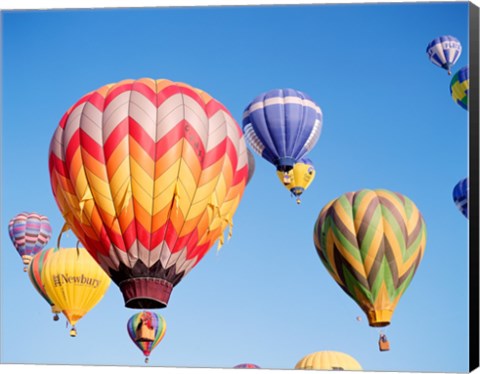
[
  {"x": 328, "y": 360},
  {"x": 299, "y": 178},
  {"x": 74, "y": 282}
]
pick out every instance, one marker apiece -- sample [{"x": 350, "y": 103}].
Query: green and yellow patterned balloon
[
  {"x": 459, "y": 87},
  {"x": 371, "y": 242}
]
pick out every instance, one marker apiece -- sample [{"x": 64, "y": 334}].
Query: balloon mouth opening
[
  {"x": 146, "y": 293},
  {"x": 285, "y": 164},
  {"x": 379, "y": 318},
  {"x": 379, "y": 324}
]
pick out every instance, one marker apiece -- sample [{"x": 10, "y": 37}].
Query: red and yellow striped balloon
[{"x": 148, "y": 173}]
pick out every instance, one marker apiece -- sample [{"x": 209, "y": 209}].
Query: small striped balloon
[
  {"x": 29, "y": 232},
  {"x": 371, "y": 242},
  {"x": 444, "y": 51},
  {"x": 459, "y": 87},
  {"x": 155, "y": 327},
  {"x": 460, "y": 196}
]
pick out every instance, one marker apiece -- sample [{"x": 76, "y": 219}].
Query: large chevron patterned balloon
[
  {"x": 148, "y": 174},
  {"x": 371, "y": 242}
]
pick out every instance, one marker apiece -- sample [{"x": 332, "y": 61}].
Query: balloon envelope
[
  {"x": 328, "y": 360},
  {"x": 282, "y": 126},
  {"x": 459, "y": 87},
  {"x": 147, "y": 174},
  {"x": 300, "y": 177},
  {"x": 74, "y": 282},
  {"x": 460, "y": 196},
  {"x": 246, "y": 366},
  {"x": 146, "y": 329},
  {"x": 371, "y": 242},
  {"x": 29, "y": 232},
  {"x": 35, "y": 269},
  {"x": 444, "y": 51}
]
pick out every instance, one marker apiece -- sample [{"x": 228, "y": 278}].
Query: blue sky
[{"x": 265, "y": 297}]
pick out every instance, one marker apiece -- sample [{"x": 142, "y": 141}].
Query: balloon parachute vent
[{"x": 73, "y": 333}]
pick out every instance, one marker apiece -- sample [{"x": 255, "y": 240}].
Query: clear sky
[{"x": 265, "y": 297}]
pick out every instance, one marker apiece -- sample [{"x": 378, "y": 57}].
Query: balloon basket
[
  {"x": 146, "y": 360},
  {"x": 383, "y": 343},
  {"x": 56, "y": 317},
  {"x": 145, "y": 333},
  {"x": 73, "y": 332}
]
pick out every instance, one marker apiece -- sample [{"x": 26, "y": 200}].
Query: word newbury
[{"x": 61, "y": 279}]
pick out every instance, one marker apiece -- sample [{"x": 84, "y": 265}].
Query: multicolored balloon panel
[
  {"x": 459, "y": 87},
  {"x": 371, "y": 242},
  {"x": 29, "y": 232},
  {"x": 328, "y": 360},
  {"x": 444, "y": 51},
  {"x": 35, "y": 269},
  {"x": 282, "y": 126},
  {"x": 146, "y": 329},
  {"x": 141, "y": 171},
  {"x": 247, "y": 366},
  {"x": 460, "y": 196}
]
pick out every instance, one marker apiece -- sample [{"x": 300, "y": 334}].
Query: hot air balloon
[
  {"x": 247, "y": 366},
  {"x": 146, "y": 329},
  {"x": 371, "y": 242},
  {"x": 147, "y": 174},
  {"x": 282, "y": 126},
  {"x": 35, "y": 269},
  {"x": 444, "y": 51},
  {"x": 29, "y": 232},
  {"x": 459, "y": 87},
  {"x": 328, "y": 360},
  {"x": 74, "y": 282},
  {"x": 460, "y": 196},
  {"x": 300, "y": 177}
]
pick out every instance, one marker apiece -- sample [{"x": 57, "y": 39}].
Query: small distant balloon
[
  {"x": 246, "y": 366},
  {"x": 146, "y": 329},
  {"x": 444, "y": 51},
  {"x": 460, "y": 196},
  {"x": 29, "y": 232},
  {"x": 299, "y": 178},
  {"x": 459, "y": 86}
]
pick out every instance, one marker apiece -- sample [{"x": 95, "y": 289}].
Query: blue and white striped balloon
[
  {"x": 282, "y": 126},
  {"x": 460, "y": 196},
  {"x": 444, "y": 51}
]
